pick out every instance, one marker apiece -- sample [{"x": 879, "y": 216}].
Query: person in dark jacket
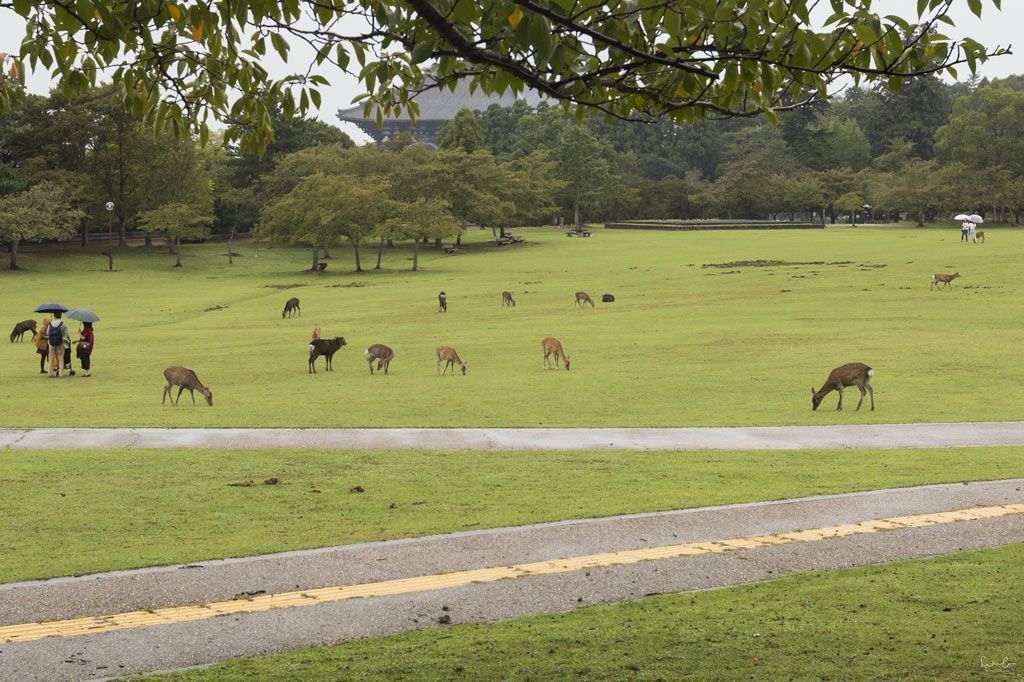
[{"x": 86, "y": 343}]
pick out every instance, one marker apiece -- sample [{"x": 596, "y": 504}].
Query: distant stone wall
[{"x": 687, "y": 226}]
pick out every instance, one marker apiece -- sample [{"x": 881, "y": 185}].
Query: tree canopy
[{"x": 180, "y": 64}]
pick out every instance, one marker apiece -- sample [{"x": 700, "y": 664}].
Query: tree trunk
[
  {"x": 426, "y": 240},
  {"x": 171, "y": 247},
  {"x": 14, "y": 256},
  {"x": 493, "y": 232},
  {"x": 380, "y": 252},
  {"x": 149, "y": 241},
  {"x": 355, "y": 245},
  {"x": 85, "y": 234},
  {"x": 177, "y": 253},
  {"x": 576, "y": 215},
  {"x": 391, "y": 243},
  {"x": 501, "y": 232},
  {"x": 231, "y": 255},
  {"x": 316, "y": 258},
  {"x": 437, "y": 242},
  {"x": 458, "y": 239},
  {"x": 327, "y": 250},
  {"x": 122, "y": 227},
  {"x": 416, "y": 256}
]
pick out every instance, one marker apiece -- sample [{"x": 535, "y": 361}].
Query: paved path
[
  {"x": 970, "y": 434},
  {"x": 257, "y": 605}
]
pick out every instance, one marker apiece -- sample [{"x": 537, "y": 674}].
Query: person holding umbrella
[
  {"x": 87, "y": 340},
  {"x": 965, "y": 226},
  {"x": 43, "y": 345},
  {"x": 58, "y": 337}
]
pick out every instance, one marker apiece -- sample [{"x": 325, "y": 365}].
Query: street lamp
[{"x": 110, "y": 235}]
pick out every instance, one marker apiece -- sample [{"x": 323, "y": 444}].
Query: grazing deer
[
  {"x": 506, "y": 299},
  {"x": 448, "y": 355},
  {"x": 942, "y": 278},
  {"x": 979, "y": 236},
  {"x": 184, "y": 378},
  {"x": 607, "y": 298},
  {"x": 23, "y": 328},
  {"x": 326, "y": 348},
  {"x": 853, "y": 374},
  {"x": 583, "y": 298},
  {"x": 321, "y": 267},
  {"x": 553, "y": 346},
  {"x": 442, "y": 302},
  {"x": 382, "y": 354},
  {"x": 291, "y": 306}
]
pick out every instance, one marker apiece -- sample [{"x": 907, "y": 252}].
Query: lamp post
[{"x": 110, "y": 235}]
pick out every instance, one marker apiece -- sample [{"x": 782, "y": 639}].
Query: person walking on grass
[
  {"x": 58, "y": 337},
  {"x": 964, "y": 229},
  {"x": 42, "y": 344},
  {"x": 86, "y": 342},
  {"x": 972, "y": 229}
]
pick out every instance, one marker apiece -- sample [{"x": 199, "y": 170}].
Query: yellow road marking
[{"x": 27, "y": 632}]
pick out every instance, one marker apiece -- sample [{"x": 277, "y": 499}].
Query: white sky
[{"x": 995, "y": 28}]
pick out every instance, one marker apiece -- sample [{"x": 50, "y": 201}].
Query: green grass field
[
  {"x": 950, "y": 618},
  {"x": 89, "y": 511},
  {"x": 683, "y": 344}
]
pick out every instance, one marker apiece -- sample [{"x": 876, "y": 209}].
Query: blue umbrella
[
  {"x": 83, "y": 315},
  {"x": 51, "y": 308}
]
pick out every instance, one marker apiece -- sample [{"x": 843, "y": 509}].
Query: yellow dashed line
[{"x": 27, "y": 632}]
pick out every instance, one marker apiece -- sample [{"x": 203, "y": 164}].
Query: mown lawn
[
  {"x": 682, "y": 345},
  {"x": 950, "y": 618},
  {"x": 97, "y": 510}
]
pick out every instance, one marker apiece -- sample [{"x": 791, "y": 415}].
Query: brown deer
[
  {"x": 553, "y": 346},
  {"x": 942, "y": 278},
  {"x": 184, "y": 378},
  {"x": 853, "y": 374},
  {"x": 291, "y": 306},
  {"x": 507, "y": 300},
  {"x": 23, "y": 328},
  {"x": 382, "y": 354},
  {"x": 979, "y": 236},
  {"x": 442, "y": 302},
  {"x": 326, "y": 348},
  {"x": 447, "y": 355},
  {"x": 583, "y": 298}
]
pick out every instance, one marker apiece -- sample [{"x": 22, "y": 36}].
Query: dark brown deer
[
  {"x": 442, "y": 302},
  {"x": 184, "y": 378},
  {"x": 382, "y": 354},
  {"x": 23, "y": 328},
  {"x": 979, "y": 236},
  {"x": 853, "y": 374},
  {"x": 326, "y": 348},
  {"x": 553, "y": 346},
  {"x": 447, "y": 355},
  {"x": 942, "y": 278},
  {"x": 291, "y": 306},
  {"x": 583, "y": 298},
  {"x": 507, "y": 300}
]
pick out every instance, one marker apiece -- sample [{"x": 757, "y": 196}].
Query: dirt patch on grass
[
  {"x": 216, "y": 307},
  {"x": 350, "y": 285},
  {"x": 284, "y": 286},
  {"x": 771, "y": 263}
]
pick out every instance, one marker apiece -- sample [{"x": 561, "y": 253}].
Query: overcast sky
[{"x": 995, "y": 28}]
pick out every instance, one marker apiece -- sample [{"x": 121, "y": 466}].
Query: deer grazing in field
[
  {"x": 291, "y": 306},
  {"x": 447, "y": 355},
  {"x": 941, "y": 278},
  {"x": 853, "y": 374},
  {"x": 23, "y": 328},
  {"x": 507, "y": 300},
  {"x": 326, "y": 348},
  {"x": 382, "y": 354},
  {"x": 583, "y": 298},
  {"x": 553, "y": 346},
  {"x": 442, "y": 302},
  {"x": 979, "y": 236},
  {"x": 184, "y": 378}
]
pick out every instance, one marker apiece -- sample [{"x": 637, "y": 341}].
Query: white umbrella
[
  {"x": 961, "y": 216},
  {"x": 976, "y": 219}
]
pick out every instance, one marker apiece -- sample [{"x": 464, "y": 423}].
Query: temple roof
[{"x": 442, "y": 105}]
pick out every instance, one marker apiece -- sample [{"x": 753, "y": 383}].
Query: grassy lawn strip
[
  {"x": 916, "y": 619},
  {"x": 72, "y": 512}
]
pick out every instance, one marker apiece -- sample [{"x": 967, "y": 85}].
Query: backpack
[{"x": 55, "y": 334}]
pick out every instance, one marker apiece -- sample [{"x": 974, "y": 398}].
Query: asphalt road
[
  {"x": 882, "y": 436},
  {"x": 201, "y": 642}
]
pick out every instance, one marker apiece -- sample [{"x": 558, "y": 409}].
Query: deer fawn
[
  {"x": 184, "y": 378},
  {"x": 447, "y": 355},
  {"x": 382, "y": 354},
  {"x": 506, "y": 299},
  {"x": 583, "y": 298},
  {"x": 942, "y": 278},
  {"x": 853, "y": 374},
  {"x": 291, "y": 306},
  {"x": 979, "y": 236},
  {"x": 553, "y": 346}
]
